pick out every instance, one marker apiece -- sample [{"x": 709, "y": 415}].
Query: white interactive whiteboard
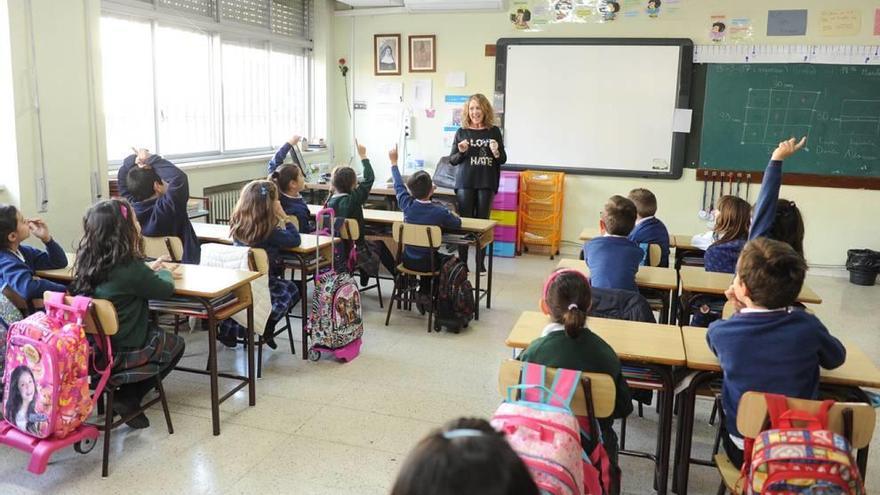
[{"x": 599, "y": 106}]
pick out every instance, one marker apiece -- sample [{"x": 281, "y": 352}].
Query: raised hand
[
  {"x": 294, "y": 140},
  {"x": 362, "y": 150},
  {"x": 788, "y": 147},
  {"x": 392, "y": 155}
]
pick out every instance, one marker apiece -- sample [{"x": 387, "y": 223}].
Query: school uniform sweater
[
  {"x": 765, "y": 206},
  {"x": 278, "y": 239},
  {"x": 292, "y": 205},
  {"x": 651, "y": 230},
  {"x": 722, "y": 257},
  {"x": 130, "y": 287},
  {"x": 776, "y": 351},
  {"x": 166, "y": 214},
  {"x": 613, "y": 262},
  {"x": 477, "y": 168},
  {"x": 18, "y": 273},
  {"x": 351, "y": 205},
  {"x": 420, "y": 213}
]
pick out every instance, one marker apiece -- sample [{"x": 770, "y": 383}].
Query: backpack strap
[
  {"x": 564, "y": 385},
  {"x": 533, "y": 375},
  {"x": 781, "y": 416}
]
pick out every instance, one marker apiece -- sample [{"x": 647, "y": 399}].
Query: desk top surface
[
  {"x": 697, "y": 279},
  {"x": 592, "y": 232},
  {"x": 653, "y": 277},
  {"x": 212, "y": 232},
  {"x": 682, "y": 241},
  {"x": 632, "y": 341},
  {"x": 377, "y": 189},
  {"x": 858, "y": 369},
  {"x": 389, "y": 217},
  {"x": 195, "y": 280}
]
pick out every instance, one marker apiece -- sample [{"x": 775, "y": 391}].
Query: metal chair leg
[
  {"x": 260, "y": 357},
  {"x": 379, "y": 291},
  {"x": 165, "y": 410},
  {"x": 108, "y": 423},
  {"x": 623, "y": 433},
  {"x": 393, "y": 298}
]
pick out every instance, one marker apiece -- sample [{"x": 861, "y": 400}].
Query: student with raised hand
[
  {"x": 159, "y": 192},
  {"x": 18, "y": 263},
  {"x": 776, "y": 218}
]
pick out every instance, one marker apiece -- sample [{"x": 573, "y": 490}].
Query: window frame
[{"x": 219, "y": 31}]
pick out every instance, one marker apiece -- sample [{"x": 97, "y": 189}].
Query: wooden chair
[
  {"x": 751, "y": 419},
  {"x": 202, "y": 210},
  {"x": 595, "y": 397},
  {"x": 655, "y": 298},
  {"x": 654, "y": 254},
  {"x": 258, "y": 261},
  {"x": 423, "y": 236},
  {"x": 349, "y": 233},
  {"x": 102, "y": 321},
  {"x": 158, "y": 246}
]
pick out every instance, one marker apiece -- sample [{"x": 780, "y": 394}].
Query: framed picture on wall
[
  {"x": 386, "y": 51},
  {"x": 423, "y": 53}
]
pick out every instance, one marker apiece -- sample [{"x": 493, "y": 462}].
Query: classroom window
[{"x": 195, "y": 79}]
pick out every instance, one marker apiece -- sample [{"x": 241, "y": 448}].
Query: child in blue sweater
[
  {"x": 769, "y": 345},
  {"x": 18, "y": 262},
  {"x": 414, "y": 200},
  {"x": 613, "y": 259},
  {"x": 649, "y": 229},
  {"x": 291, "y": 182},
  {"x": 776, "y": 218},
  {"x": 159, "y": 191}
]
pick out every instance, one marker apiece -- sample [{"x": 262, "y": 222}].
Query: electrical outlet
[{"x": 360, "y": 105}]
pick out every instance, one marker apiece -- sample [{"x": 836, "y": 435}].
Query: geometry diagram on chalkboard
[
  {"x": 860, "y": 117},
  {"x": 773, "y": 115}
]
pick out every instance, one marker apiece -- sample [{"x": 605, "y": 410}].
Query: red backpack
[{"x": 789, "y": 459}]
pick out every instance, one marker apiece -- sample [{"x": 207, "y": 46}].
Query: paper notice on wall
[
  {"x": 529, "y": 15},
  {"x": 739, "y": 30},
  {"x": 717, "y": 28},
  {"x": 389, "y": 92},
  {"x": 845, "y": 22},
  {"x": 877, "y": 22},
  {"x": 421, "y": 94},
  {"x": 456, "y": 80},
  {"x": 787, "y": 22},
  {"x": 681, "y": 120}
]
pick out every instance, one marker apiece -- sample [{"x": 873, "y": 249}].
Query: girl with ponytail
[{"x": 568, "y": 343}]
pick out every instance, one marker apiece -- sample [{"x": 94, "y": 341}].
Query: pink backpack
[
  {"x": 545, "y": 433},
  {"x": 47, "y": 375}
]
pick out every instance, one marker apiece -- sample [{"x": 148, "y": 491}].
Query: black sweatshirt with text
[{"x": 477, "y": 167}]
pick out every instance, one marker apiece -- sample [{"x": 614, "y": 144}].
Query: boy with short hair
[
  {"x": 158, "y": 191},
  {"x": 649, "y": 229},
  {"x": 769, "y": 345},
  {"x": 613, "y": 259},
  {"x": 414, "y": 201}
]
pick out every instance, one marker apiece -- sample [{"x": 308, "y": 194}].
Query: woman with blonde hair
[{"x": 478, "y": 152}]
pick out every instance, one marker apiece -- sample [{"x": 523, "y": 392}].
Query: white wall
[{"x": 836, "y": 219}]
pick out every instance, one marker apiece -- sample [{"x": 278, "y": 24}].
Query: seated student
[
  {"x": 649, "y": 229},
  {"x": 730, "y": 233},
  {"x": 464, "y": 457},
  {"x": 414, "y": 201},
  {"x": 291, "y": 182},
  {"x": 568, "y": 343},
  {"x": 776, "y": 218},
  {"x": 347, "y": 200},
  {"x": 19, "y": 262},
  {"x": 110, "y": 265},
  {"x": 769, "y": 345},
  {"x": 613, "y": 259},
  {"x": 258, "y": 221},
  {"x": 159, "y": 192}
]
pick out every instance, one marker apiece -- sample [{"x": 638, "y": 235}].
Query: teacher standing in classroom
[{"x": 478, "y": 153}]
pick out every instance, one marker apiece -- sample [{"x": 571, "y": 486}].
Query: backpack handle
[
  {"x": 319, "y": 226},
  {"x": 54, "y": 305},
  {"x": 562, "y": 389},
  {"x": 783, "y": 417}
]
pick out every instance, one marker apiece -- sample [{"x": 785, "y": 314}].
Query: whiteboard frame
[{"x": 685, "y": 72}]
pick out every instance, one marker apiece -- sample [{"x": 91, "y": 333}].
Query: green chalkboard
[{"x": 749, "y": 108}]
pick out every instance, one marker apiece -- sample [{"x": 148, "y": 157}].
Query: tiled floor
[{"x": 329, "y": 428}]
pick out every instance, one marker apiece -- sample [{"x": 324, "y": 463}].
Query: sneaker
[
  {"x": 123, "y": 406},
  {"x": 228, "y": 339},
  {"x": 365, "y": 279}
]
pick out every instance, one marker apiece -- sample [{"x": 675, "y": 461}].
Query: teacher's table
[
  {"x": 857, "y": 371},
  {"x": 696, "y": 281},
  {"x": 648, "y": 277},
  {"x": 646, "y": 345},
  {"x": 478, "y": 232},
  {"x": 204, "y": 285},
  {"x": 300, "y": 258}
]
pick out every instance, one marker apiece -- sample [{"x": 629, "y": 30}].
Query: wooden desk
[
  {"x": 648, "y": 277},
  {"x": 857, "y": 371},
  {"x": 657, "y": 347},
  {"x": 684, "y": 242},
  {"x": 695, "y": 279},
  {"x": 379, "y": 190},
  {"x": 483, "y": 229},
  {"x": 203, "y": 284},
  {"x": 212, "y": 232},
  {"x": 591, "y": 232}
]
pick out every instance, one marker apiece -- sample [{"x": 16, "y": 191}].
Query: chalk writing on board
[{"x": 772, "y": 115}]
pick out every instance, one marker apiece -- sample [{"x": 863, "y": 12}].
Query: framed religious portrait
[
  {"x": 386, "y": 51},
  {"x": 423, "y": 53}
]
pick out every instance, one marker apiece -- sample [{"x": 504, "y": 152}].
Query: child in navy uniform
[
  {"x": 414, "y": 201},
  {"x": 649, "y": 229},
  {"x": 769, "y": 345},
  {"x": 291, "y": 182},
  {"x": 18, "y": 262},
  {"x": 613, "y": 259},
  {"x": 159, "y": 191}
]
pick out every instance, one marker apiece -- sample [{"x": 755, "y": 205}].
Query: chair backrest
[
  {"x": 155, "y": 247},
  {"x": 654, "y": 254},
  {"x": 349, "y": 230},
  {"x": 16, "y": 299},
  {"x": 292, "y": 219},
  {"x": 408, "y": 234},
  {"x": 751, "y": 417},
  {"x": 728, "y": 310},
  {"x": 601, "y": 388},
  {"x": 101, "y": 317},
  {"x": 258, "y": 259}
]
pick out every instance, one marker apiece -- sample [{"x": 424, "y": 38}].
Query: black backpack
[{"x": 455, "y": 297}]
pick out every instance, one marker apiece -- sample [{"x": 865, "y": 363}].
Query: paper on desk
[{"x": 681, "y": 120}]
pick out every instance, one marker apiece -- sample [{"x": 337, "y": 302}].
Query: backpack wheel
[
  {"x": 314, "y": 355},
  {"x": 85, "y": 445}
]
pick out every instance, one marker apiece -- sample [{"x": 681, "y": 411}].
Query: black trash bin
[{"x": 862, "y": 265}]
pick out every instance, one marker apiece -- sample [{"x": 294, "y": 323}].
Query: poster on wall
[
  {"x": 454, "y": 106},
  {"x": 846, "y": 22},
  {"x": 740, "y": 30},
  {"x": 529, "y": 15},
  {"x": 717, "y": 28}
]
